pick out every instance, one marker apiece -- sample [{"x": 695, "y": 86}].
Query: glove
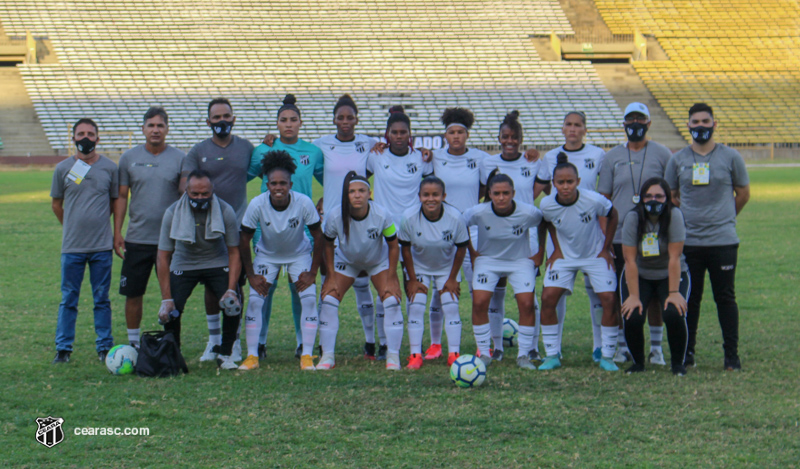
[
  {"x": 164, "y": 312},
  {"x": 230, "y": 303}
]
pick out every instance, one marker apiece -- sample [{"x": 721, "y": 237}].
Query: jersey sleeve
[
  {"x": 310, "y": 215},
  {"x": 468, "y": 214},
  {"x": 671, "y": 173},
  {"x": 254, "y": 168},
  {"x": 462, "y": 234},
  {"x": 165, "y": 243},
  {"x": 404, "y": 234},
  {"x": 536, "y": 216},
  {"x": 739, "y": 175},
  {"x": 677, "y": 226},
  {"x": 57, "y": 186},
  {"x": 251, "y": 218},
  {"x": 114, "y": 186},
  {"x": 605, "y": 184},
  {"x": 544, "y": 207},
  {"x": 629, "y": 229},
  {"x": 191, "y": 162},
  {"x": 371, "y": 161},
  {"x": 485, "y": 170},
  {"x": 319, "y": 164},
  {"x": 603, "y": 206},
  {"x": 330, "y": 228},
  {"x": 543, "y": 175},
  {"x": 231, "y": 230},
  {"x": 124, "y": 175},
  {"x": 427, "y": 167}
]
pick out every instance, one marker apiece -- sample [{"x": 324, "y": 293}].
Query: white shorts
[
  {"x": 269, "y": 270},
  {"x": 562, "y": 274},
  {"x": 437, "y": 281},
  {"x": 348, "y": 269},
  {"x": 521, "y": 274}
]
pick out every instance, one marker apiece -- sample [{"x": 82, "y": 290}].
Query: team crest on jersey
[
  {"x": 360, "y": 147},
  {"x": 447, "y": 235},
  {"x": 482, "y": 278},
  {"x": 552, "y": 275},
  {"x": 261, "y": 269},
  {"x": 471, "y": 163},
  {"x": 419, "y": 278},
  {"x": 340, "y": 266},
  {"x": 305, "y": 160},
  {"x": 373, "y": 233},
  {"x": 293, "y": 222},
  {"x": 586, "y": 217},
  {"x": 412, "y": 168},
  {"x": 517, "y": 230},
  {"x": 49, "y": 432},
  {"x": 525, "y": 171},
  {"x": 589, "y": 164}
]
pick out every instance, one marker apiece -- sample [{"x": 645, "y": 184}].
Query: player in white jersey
[
  {"x": 523, "y": 172},
  {"x": 360, "y": 226},
  {"x": 588, "y": 159},
  {"x": 282, "y": 215},
  {"x": 503, "y": 251},
  {"x": 433, "y": 239},
  {"x": 576, "y": 217},
  {"x": 458, "y": 166}
]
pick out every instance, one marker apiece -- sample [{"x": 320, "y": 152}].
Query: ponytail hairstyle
[
  {"x": 580, "y": 114},
  {"x": 398, "y": 114},
  {"x": 277, "y": 160},
  {"x": 459, "y": 116},
  {"x": 496, "y": 177},
  {"x": 350, "y": 177},
  {"x": 666, "y": 215},
  {"x": 345, "y": 100},
  {"x": 289, "y": 104},
  {"x": 512, "y": 122},
  {"x": 562, "y": 162},
  {"x": 432, "y": 180}
]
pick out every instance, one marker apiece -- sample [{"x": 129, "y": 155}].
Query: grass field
[{"x": 359, "y": 415}]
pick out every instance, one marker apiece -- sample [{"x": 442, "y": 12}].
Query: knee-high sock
[
  {"x": 656, "y": 334},
  {"x": 597, "y": 317},
  {"x": 483, "y": 338},
  {"x": 416, "y": 322},
  {"x": 551, "y": 340},
  {"x": 380, "y": 315},
  {"x": 328, "y": 324},
  {"x": 310, "y": 320},
  {"x": 252, "y": 321},
  {"x": 561, "y": 313},
  {"x": 366, "y": 308},
  {"x": 297, "y": 313},
  {"x": 538, "y": 327},
  {"x": 214, "y": 328},
  {"x": 497, "y": 312},
  {"x": 609, "y": 341},
  {"x": 393, "y": 324},
  {"x": 436, "y": 318},
  {"x": 525, "y": 340},
  {"x": 266, "y": 312},
  {"x": 452, "y": 324}
]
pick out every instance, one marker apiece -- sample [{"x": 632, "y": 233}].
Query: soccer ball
[
  {"x": 510, "y": 330},
  {"x": 468, "y": 371},
  {"x": 121, "y": 360}
]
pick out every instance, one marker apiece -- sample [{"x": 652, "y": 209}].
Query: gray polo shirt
[
  {"x": 153, "y": 181},
  {"x": 228, "y": 169},
  {"x": 203, "y": 254},
  {"x": 87, "y": 206},
  {"x": 655, "y": 267},
  {"x": 615, "y": 175},
  {"x": 710, "y": 209}
]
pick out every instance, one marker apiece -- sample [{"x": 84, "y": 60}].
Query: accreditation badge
[
  {"x": 700, "y": 174},
  {"x": 78, "y": 171},
  {"x": 650, "y": 245}
]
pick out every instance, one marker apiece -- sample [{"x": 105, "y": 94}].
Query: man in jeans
[
  {"x": 710, "y": 184},
  {"x": 83, "y": 190}
]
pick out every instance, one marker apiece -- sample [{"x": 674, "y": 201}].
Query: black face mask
[
  {"x": 201, "y": 204},
  {"x": 222, "y": 128},
  {"x": 85, "y": 145},
  {"x": 701, "y": 134},
  {"x": 635, "y": 131},
  {"x": 654, "y": 207}
]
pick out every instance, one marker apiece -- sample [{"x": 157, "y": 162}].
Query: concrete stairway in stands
[{"x": 20, "y": 129}]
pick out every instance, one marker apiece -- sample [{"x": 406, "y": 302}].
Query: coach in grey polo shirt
[
  {"x": 151, "y": 174},
  {"x": 710, "y": 184}
]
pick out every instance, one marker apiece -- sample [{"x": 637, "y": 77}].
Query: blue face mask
[
  {"x": 222, "y": 128},
  {"x": 701, "y": 134}
]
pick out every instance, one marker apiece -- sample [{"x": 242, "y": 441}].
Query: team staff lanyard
[{"x": 636, "y": 187}]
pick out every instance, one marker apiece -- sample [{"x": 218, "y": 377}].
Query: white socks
[
  {"x": 328, "y": 324},
  {"x": 253, "y": 321},
  {"x": 416, "y": 319},
  {"x": 214, "y": 328},
  {"x": 366, "y": 308},
  {"x": 497, "y": 312},
  {"x": 452, "y": 324},
  {"x": 483, "y": 338},
  {"x": 552, "y": 340},
  {"x": 656, "y": 333},
  {"x": 525, "y": 340},
  {"x": 380, "y": 314},
  {"x": 609, "y": 341},
  {"x": 133, "y": 336},
  {"x": 436, "y": 318},
  {"x": 309, "y": 321},
  {"x": 393, "y": 325},
  {"x": 561, "y": 313}
]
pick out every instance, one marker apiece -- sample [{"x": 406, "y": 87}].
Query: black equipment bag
[{"x": 159, "y": 355}]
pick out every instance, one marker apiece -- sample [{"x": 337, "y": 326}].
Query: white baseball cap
[{"x": 636, "y": 107}]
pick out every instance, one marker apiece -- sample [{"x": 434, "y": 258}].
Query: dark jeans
[
  {"x": 720, "y": 262},
  {"x": 676, "y": 324},
  {"x": 182, "y": 284}
]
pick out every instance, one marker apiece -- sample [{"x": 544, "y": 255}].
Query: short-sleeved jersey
[
  {"x": 504, "y": 237},
  {"x": 341, "y": 158},
  {"x": 365, "y": 244},
  {"x": 577, "y": 229},
  {"x": 397, "y": 180},
  {"x": 588, "y": 159},
  {"x": 619, "y": 175},
  {"x": 87, "y": 206},
  {"x": 283, "y": 236},
  {"x": 655, "y": 267},
  {"x": 433, "y": 242},
  {"x": 520, "y": 170},
  {"x": 203, "y": 253},
  {"x": 710, "y": 209},
  {"x": 308, "y": 158},
  {"x": 461, "y": 176},
  {"x": 228, "y": 167},
  {"x": 153, "y": 181}
]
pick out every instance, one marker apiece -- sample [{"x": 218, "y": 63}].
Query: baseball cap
[{"x": 636, "y": 107}]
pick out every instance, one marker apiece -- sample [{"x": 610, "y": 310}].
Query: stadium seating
[
  {"x": 741, "y": 57},
  {"x": 117, "y": 58}
]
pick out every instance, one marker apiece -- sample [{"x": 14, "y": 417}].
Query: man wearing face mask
[
  {"x": 199, "y": 243},
  {"x": 710, "y": 184},
  {"x": 625, "y": 169},
  {"x": 226, "y": 157},
  {"x": 83, "y": 190}
]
